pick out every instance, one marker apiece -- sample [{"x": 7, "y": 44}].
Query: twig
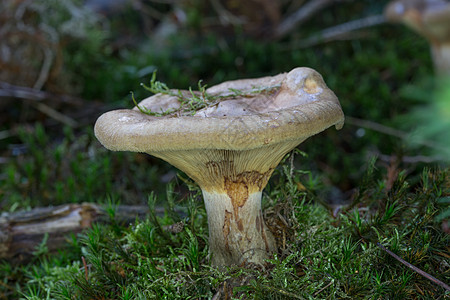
[
  {"x": 4, "y": 134},
  {"x": 216, "y": 296},
  {"x": 414, "y": 268},
  {"x": 45, "y": 69},
  {"x": 226, "y": 17},
  {"x": 408, "y": 159},
  {"x": 138, "y": 5},
  {"x": 21, "y": 92},
  {"x": 322, "y": 289},
  {"x": 338, "y": 31},
  {"x": 300, "y": 16},
  {"x": 283, "y": 292},
  {"x": 164, "y": 1},
  {"x": 48, "y": 57},
  {"x": 376, "y": 127},
  {"x": 8, "y": 287},
  {"x": 22, "y": 231},
  {"x": 56, "y": 115},
  {"x": 291, "y": 165},
  {"x": 389, "y": 131},
  {"x": 86, "y": 275}
]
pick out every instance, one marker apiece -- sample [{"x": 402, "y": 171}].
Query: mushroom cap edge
[{"x": 131, "y": 130}]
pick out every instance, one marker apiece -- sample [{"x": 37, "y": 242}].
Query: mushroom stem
[
  {"x": 232, "y": 182},
  {"x": 237, "y": 232},
  {"x": 441, "y": 58}
]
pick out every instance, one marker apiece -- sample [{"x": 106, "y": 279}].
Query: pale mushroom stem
[
  {"x": 232, "y": 184},
  {"x": 237, "y": 232},
  {"x": 441, "y": 58}
]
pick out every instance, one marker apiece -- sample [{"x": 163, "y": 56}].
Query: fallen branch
[
  {"x": 22, "y": 232},
  {"x": 414, "y": 268},
  {"x": 26, "y": 93}
]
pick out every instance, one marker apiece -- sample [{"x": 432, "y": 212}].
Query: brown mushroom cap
[{"x": 298, "y": 105}]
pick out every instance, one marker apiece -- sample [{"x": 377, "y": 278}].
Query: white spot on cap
[{"x": 125, "y": 119}]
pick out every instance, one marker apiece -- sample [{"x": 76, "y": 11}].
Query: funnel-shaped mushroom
[
  {"x": 230, "y": 148},
  {"x": 429, "y": 18}
]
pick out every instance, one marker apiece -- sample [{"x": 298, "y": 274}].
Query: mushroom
[
  {"x": 429, "y": 18},
  {"x": 230, "y": 148}
]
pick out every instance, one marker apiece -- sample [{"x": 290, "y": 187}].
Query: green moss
[
  {"x": 73, "y": 169},
  {"x": 324, "y": 257}
]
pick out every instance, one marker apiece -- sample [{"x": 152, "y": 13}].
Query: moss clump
[{"x": 193, "y": 101}]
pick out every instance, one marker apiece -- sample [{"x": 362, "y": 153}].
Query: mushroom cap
[
  {"x": 266, "y": 111},
  {"x": 430, "y": 18}
]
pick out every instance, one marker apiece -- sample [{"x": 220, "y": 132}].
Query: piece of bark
[{"x": 22, "y": 232}]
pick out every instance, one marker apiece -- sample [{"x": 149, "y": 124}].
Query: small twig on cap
[{"x": 414, "y": 268}]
